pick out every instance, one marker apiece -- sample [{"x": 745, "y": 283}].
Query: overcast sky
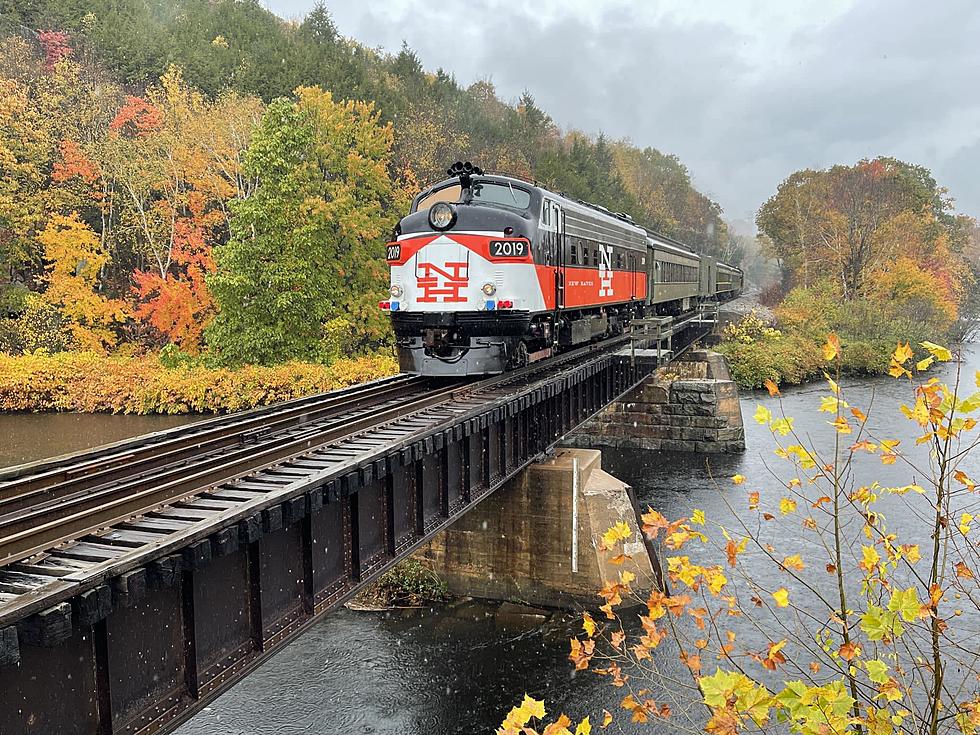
[{"x": 744, "y": 91}]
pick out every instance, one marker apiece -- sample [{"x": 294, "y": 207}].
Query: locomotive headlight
[
  {"x": 396, "y": 291},
  {"x": 442, "y": 215},
  {"x": 489, "y": 289}
]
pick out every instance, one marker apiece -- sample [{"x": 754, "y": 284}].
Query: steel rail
[
  {"x": 211, "y": 435},
  {"x": 123, "y": 451},
  {"x": 40, "y": 528},
  {"x": 136, "y": 485}
]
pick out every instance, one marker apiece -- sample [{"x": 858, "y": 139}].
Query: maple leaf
[
  {"x": 762, "y": 415},
  {"x": 607, "y": 718},
  {"x": 787, "y": 506},
  {"x": 738, "y": 479},
  {"x": 831, "y": 348},
  {"x": 963, "y": 571},
  {"x": 772, "y": 388},
  {"x": 940, "y": 353},
  {"x": 781, "y": 596},
  {"x": 588, "y": 625},
  {"x": 849, "y": 651},
  {"x": 794, "y": 562},
  {"x": 619, "y": 532},
  {"x": 754, "y": 500}
]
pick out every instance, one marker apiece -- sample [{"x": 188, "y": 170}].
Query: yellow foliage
[
  {"x": 91, "y": 382},
  {"x": 75, "y": 260}
]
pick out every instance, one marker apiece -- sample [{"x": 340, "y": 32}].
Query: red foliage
[
  {"x": 74, "y": 163},
  {"x": 55, "y": 45},
  {"x": 180, "y": 305},
  {"x": 137, "y": 117}
]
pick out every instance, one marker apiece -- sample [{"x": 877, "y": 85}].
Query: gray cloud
[{"x": 884, "y": 77}]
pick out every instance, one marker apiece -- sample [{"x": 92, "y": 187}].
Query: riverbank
[
  {"x": 784, "y": 344},
  {"x": 91, "y": 383}
]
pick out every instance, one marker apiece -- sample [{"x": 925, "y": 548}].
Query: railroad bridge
[{"x": 139, "y": 580}]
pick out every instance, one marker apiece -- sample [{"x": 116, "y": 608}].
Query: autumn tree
[
  {"x": 304, "y": 270},
  {"x": 75, "y": 258},
  {"x": 845, "y": 217}
]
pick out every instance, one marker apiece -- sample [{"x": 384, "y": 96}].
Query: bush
[
  {"x": 142, "y": 385},
  {"x": 41, "y": 327},
  {"x": 780, "y": 359},
  {"x": 411, "y": 583}
]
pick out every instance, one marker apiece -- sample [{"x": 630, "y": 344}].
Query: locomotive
[{"x": 490, "y": 273}]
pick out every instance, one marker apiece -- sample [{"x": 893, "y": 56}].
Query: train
[{"x": 491, "y": 272}]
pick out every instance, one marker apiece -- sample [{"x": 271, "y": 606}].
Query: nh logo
[
  {"x": 442, "y": 284},
  {"x": 605, "y": 270}
]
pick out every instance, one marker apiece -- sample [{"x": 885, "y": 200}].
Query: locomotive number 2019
[
  {"x": 508, "y": 248},
  {"x": 394, "y": 252}
]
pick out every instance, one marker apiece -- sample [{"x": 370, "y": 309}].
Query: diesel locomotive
[{"x": 489, "y": 273}]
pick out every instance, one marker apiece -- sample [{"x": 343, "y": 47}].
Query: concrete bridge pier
[{"x": 536, "y": 539}]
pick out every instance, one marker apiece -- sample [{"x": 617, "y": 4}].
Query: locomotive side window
[
  {"x": 574, "y": 258},
  {"x": 585, "y": 256}
]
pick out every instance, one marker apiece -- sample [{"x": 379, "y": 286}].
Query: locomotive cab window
[
  {"x": 449, "y": 194},
  {"x": 573, "y": 259},
  {"x": 506, "y": 195}
]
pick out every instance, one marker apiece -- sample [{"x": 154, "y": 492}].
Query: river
[{"x": 459, "y": 668}]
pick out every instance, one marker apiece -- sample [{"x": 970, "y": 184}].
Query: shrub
[
  {"x": 143, "y": 385},
  {"x": 41, "y": 327}
]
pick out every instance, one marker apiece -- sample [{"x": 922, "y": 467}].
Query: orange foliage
[
  {"x": 137, "y": 117},
  {"x": 179, "y": 306}
]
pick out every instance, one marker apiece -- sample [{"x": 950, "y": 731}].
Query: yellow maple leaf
[
  {"x": 794, "y": 562},
  {"x": 787, "y": 506},
  {"x": 619, "y": 532},
  {"x": 938, "y": 351},
  {"x": 584, "y": 727},
  {"x": 831, "y": 348},
  {"x": 762, "y": 415},
  {"x": 965, "y": 520},
  {"x": 903, "y": 353},
  {"x": 781, "y": 596},
  {"x": 588, "y": 624},
  {"x": 738, "y": 479}
]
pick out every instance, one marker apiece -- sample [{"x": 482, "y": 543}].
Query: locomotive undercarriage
[{"x": 480, "y": 343}]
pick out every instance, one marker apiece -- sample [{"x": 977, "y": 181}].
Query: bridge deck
[{"x": 174, "y": 564}]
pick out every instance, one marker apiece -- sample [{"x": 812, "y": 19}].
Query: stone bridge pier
[{"x": 690, "y": 405}]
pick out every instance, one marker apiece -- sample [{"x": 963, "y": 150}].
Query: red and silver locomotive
[{"x": 491, "y": 272}]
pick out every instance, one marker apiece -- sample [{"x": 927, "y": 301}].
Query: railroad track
[
  {"x": 42, "y": 505},
  {"x": 74, "y": 520}
]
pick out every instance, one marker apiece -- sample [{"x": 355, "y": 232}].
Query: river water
[{"x": 459, "y": 668}]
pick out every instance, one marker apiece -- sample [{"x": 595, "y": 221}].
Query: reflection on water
[{"x": 25, "y": 437}]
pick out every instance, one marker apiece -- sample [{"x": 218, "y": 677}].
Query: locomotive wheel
[{"x": 520, "y": 358}]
